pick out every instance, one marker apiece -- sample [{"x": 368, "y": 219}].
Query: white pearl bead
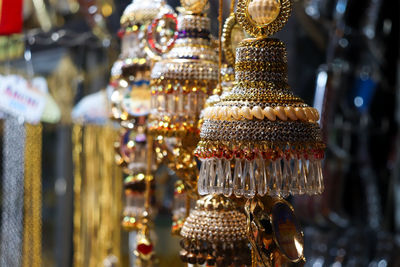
[
  {"x": 280, "y": 113},
  {"x": 245, "y": 112},
  {"x": 269, "y": 113},
  {"x": 257, "y": 112}
]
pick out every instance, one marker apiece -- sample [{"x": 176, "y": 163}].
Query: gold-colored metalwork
[
  {"x": 274, "y": 232},
  {"x": 260, "y": 138},
  {"x": 32, "y": 238},
  {"x": 215, "y": 233},
  {"x": 97, "y": 227},
  {"x": 180, "y": 84},
  {"x": 232, "y": 33},
  {"x": 253, "y": 28}
]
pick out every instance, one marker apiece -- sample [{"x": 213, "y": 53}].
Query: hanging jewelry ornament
[
  {"x": 131, "y": 149},
  {"x": 95, "y": 174},
  {"x": 32, "y": 245},
  {"x": 215, "y": 233},
  {"x": 134, "y": 187},
  {"x": 261, "y": 138},
  {"x": 180, "y": 84},
  {"x": 274, "y": 232},
  {"x": 130, "y": 101},
  {"x": 131, "y": 73},
  {"x": 134, "y": 22},
  {"x": 144, "y": 246}
]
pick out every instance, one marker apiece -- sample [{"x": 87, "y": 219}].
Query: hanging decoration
[
  {"x": 180, "y": 84},
  {"x": 32, "y": 246},
  {"x": 142, "y": 41},
  {"x": 215, "y": 233},
  {"x": 130, "y": 101},
  {"x": 260, "y": 138}
]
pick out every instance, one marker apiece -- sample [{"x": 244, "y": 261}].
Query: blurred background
[{"x": 347, "y": 50}]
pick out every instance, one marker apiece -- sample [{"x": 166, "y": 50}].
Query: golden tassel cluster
[
  {"x": 32, "y": 238},
  {"x": 97, "y": 197}
]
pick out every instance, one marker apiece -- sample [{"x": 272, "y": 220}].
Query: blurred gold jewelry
[
  {"x": 97, "y": 227},
  {"x": 32, "y": 240},
  {"x": 274, "y": 231}
]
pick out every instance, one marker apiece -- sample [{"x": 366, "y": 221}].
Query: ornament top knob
[{"x": 262, "y": 18}]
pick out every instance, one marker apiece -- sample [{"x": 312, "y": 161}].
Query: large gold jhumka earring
[
  {"x": 180, "y": 84},
  {"x": 261, "y": 139}
]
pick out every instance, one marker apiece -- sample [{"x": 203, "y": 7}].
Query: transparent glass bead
[
  {"x": 220, "y": 177},
  {"x": 202, "y": 183},
  {"x": 261, "y": 177},
  {"x": 237, "y": 178},
  {"x": 212, "y": 177},
  {"x": 228, "y": 184},
  {"x": 249, "y": 179},
  {"x": 286, "y": 177},
  {"x": 320, "y": 184},
  {"x": 295, "y": 183},
  {"x": 303, "y": 175}
]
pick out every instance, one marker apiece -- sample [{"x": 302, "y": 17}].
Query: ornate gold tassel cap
[
  {"x": 215, "y": 233},
  {"x": 184, "y": 78},
  {"x": 261, "y": 138}
]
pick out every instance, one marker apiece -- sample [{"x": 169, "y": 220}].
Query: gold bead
[
  {"x": 290, "y": 113},
  {"x": 264, "y": 12},
  {"x": 257, "y": 112},
  {"x": 269, "y": 113},
  {"x": 300, "y": 114},
  {"x": 245, "y": 112},
  {"x": 280, "y": 113}
]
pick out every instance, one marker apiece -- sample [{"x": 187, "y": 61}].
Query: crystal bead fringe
[{"x": 245, "y": 178}]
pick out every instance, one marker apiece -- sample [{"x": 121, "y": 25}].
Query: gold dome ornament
[
  {"x": 215, "y": 233},
  {"x": 260, "y": 139}
]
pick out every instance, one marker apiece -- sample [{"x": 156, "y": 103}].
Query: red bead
[
  {"x": 145, "y": 249},
  {"x": 227, "y": 154}
]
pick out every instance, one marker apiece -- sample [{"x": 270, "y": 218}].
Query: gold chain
[
  {"x": 77, "y": 158},
  {"x": 98, "y": 201},
  {"x": 32, "y": 244}
]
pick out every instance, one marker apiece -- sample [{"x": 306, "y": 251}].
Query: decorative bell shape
[
  {"x": 215, "y": 233},
  {"x": 180, "y": 85},
  {"x": 183, "y": 79},
  {"x": 260, "y": 138}
]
